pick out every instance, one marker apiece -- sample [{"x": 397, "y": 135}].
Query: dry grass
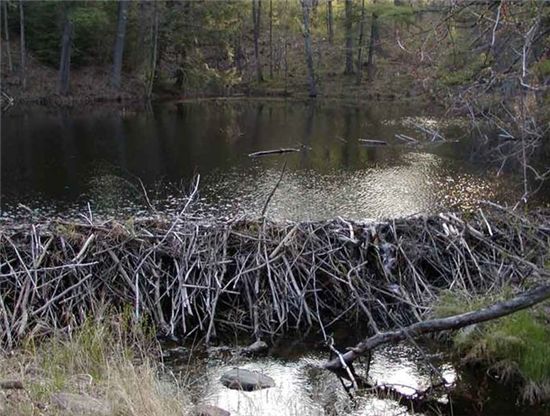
[{"x": 98, "y": 361}]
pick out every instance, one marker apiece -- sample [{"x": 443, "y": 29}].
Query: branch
[{"x": 498, "y": 310}]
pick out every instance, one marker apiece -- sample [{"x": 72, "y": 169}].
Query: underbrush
[
  {"x": 99, "y": 361},
  {"x": 514, "y": 349}
]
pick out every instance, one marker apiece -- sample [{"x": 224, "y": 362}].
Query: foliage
[
  {"x": 93, "y": 23},
  {"x": 43, "y": 30}
]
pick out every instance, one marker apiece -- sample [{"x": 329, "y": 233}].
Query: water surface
[{"x": 59, "y": 161}]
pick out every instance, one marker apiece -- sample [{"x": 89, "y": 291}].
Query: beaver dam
[
  {"x": 197, "y": 278},
  {"x": 193, "y": 277}
]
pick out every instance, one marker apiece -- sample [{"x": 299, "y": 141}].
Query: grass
[
  {"x": 99, "y": 361},
  {"x": 516, "y": 347}
]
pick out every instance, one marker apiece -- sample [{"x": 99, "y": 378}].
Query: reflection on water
[
  {"x": 303, "y": 388},
  {"x": 59, "y": 161}
]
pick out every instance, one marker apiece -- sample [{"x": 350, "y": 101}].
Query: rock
[
  {"x": 11, "y": 385},
  {"x": 81, "y": 404},
  {"x": 208, "y": 410},
  {"x": 241, "y": 379},
  {"x": 257, "y": 347}
]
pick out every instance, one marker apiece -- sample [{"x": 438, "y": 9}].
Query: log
[
  {"x": 495, "y": 311},
  {"x": 273, "y": 152},
  {"x": 369, "y": 142}
]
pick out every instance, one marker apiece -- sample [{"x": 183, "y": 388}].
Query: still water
[{"x": 56, "y": 162}]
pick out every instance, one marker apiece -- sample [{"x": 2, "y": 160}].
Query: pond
[
  {"x": 56, "y": 162},
  {"x": 64, "y": 162}
]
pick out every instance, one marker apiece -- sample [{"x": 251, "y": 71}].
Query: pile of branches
[{"x": 196, "y": 277}]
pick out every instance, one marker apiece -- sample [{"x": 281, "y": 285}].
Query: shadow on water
[{"x": 57, "y": 162}]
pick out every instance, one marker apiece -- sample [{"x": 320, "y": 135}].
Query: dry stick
[
  {"x": 273, "y": 152},
  {"x": 497, "y": 310},
  {"x": 273, "y": 190}
]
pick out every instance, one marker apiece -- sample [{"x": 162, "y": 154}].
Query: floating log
[
  {"x": 369, "y": 142},
  {"x": 273, "y": 152}
]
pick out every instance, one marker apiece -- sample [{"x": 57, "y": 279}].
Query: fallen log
[
  {"x": 495, "y": 311},
  {"x": 273, "y": 152}
]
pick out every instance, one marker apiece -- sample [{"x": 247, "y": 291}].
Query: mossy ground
[{"x": 515, "y": 348}]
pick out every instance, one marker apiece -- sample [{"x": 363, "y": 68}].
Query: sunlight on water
[
  {"x": 303, "y": 388},
  {"x": 57, "y": 164}
]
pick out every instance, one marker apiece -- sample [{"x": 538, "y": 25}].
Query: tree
[
  {"x": 65, "y": 60},
  {"x": 374, "y": 44},
  {"x": 349, "y": 37},
  {"x": 271, "y": 39},
  {"x": 330, "y": 22},
  {"x": 154, "y": 51},
  {"x": 360, "y": 49},
  {"x": 7, "y": 34},
  {"x": 118, "y": 51},
  {"x": 306, "y": 7},
  {"x": 22, "y": 69},
  {"x": 256, "y": 13}
]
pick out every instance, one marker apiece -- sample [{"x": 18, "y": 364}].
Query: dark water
[{"x": 59, "y": 161}]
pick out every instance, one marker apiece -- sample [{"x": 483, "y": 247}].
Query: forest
[{"x": 275, "y": 207}]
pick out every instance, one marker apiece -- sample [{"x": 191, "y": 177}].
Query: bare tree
[
  {"x": 118, "y": 51},
  {"x": 256, "y": 13},
  {"x": 22, "y": 68},
  {"x": 373, "y": 45},
  {"x": 349, "y": 37},
  {"x": 65, "y": 60},
  {"x": 271, "y": 39},
  {"x": 330, "y": 22},
  {"x": 306, "y": 8},
  {"x": 360, "y": 44},
  {"x": 7, "y": 35},
  {"x": 154, "y": 52}
]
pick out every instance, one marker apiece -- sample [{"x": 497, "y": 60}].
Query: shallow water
[
  {"x": 59, "y": 161},
  {"x": 303, "y": 388}
]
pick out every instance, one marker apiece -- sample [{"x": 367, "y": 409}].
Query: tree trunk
[
  {"x": 22, "y": 62},
  {"x": 7, "y": 35},
  {"x": 65, "y": 60},
  {"x": 271, "y": 39},
  {"x": 285, "y": 52},
  {"x": 373, "y": 45},
  {"x": 330, "y": 22},
  {"x": 118, "y": 51},
  {"x": 360, "y": 46},
  {"x": 349, "y": 38},
  {"x": 256, "y": 13},
  {"x": 154, "y": 46},
  {"x": 498, "y": 310},
  {"x": 306, "y": 8}
]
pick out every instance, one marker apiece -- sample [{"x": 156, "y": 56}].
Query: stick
[
  {"x": 273, "y": 152},
  {"x": 273, "y": 190}
]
